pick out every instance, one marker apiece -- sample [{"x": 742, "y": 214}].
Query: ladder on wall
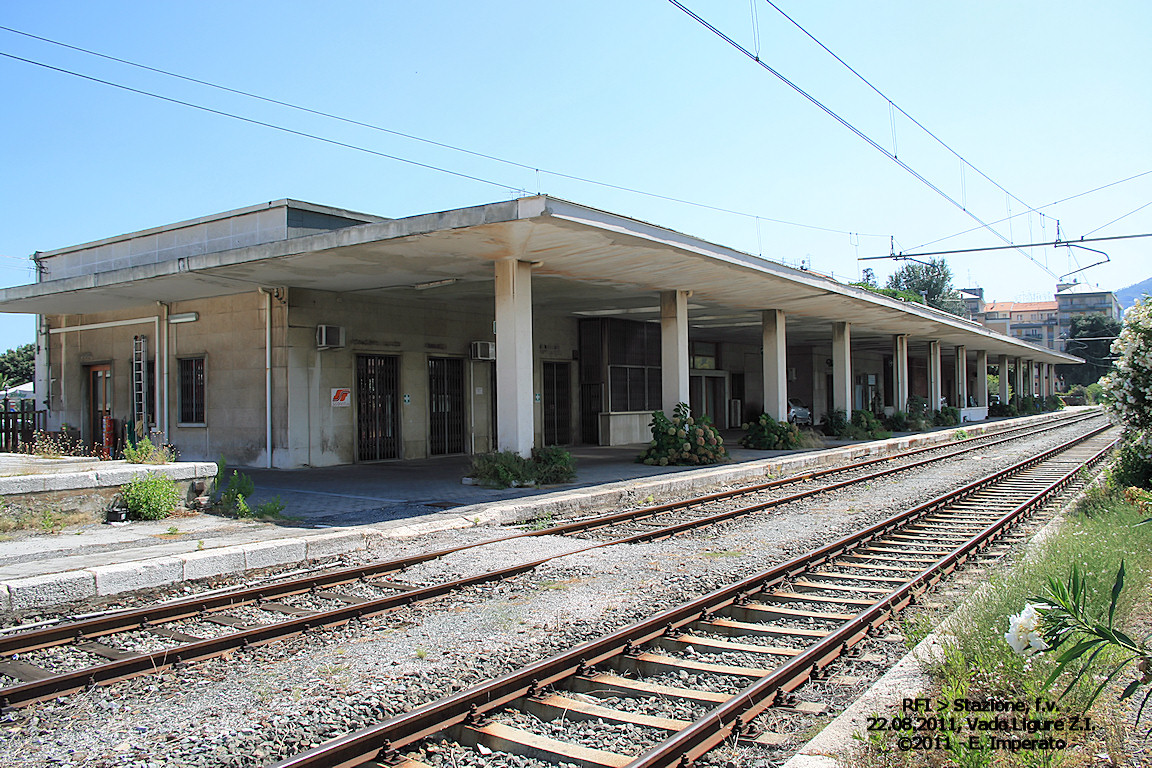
[{"x": 140, "y": 385}]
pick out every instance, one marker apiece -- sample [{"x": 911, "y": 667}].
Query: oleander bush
[
  {"x": 948, "y": 416},
  {"x": 899, "y": 421},
  {"x": 501, "y": 469},
  {"x": 552, "y": 464},
  {"x": 835, "y": 423},
  {"x": 867, "y": 427},
  {"x": 683, "y": 440},
  {"x": 863, "y": 425}
]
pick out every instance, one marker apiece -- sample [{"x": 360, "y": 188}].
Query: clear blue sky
[{"x": 1050, "y": 99}]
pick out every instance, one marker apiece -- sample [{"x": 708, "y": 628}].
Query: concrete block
[
  {"x": 141, "y": 574},
  {"x": 332, "y": 544},
  {"x": 120, "y": 475},
  {"x": 10, "y": 486},
  {"x": 5, "y": 598},
  {"x": 270, "y": 553},
  {"x": 50, "y": 589},
  {"x": 70, "y": 481},
  {"x": 213, "y": 562}
]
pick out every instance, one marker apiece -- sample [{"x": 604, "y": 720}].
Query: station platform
[{"x": 337, "y": 510}]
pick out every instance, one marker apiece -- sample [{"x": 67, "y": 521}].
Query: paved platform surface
[
  {"x": 399, "y": 498},
  {"x": 330, "y": 511}
]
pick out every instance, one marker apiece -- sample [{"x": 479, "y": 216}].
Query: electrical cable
[
  {"x": 1054, "y": 243},
  {"x": 898, "y": 108},
  {"x": 867, "y": 139},
  {"x": 401, "y": 134},
  {"x": 1046, "y": 205},
  {"x": 262, "y": 123},
  {"x": 1118, "y": 219}
]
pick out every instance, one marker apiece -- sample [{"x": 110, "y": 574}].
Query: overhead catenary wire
[
  {"x": 1054, "y": 243},
  {"x": 431, "y": 142},
  {"x": 894, "y": 106},
  {"x": 1118, "y": 218},
  {"x": 254, "y": 121},
  {"x": 1039, "y": 208},
  {"x": 859, "y": 133}
]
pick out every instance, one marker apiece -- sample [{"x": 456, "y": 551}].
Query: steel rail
[
  {"x": 196, "y": 606},
  {"x": 383, "y": 739},
  {"x": 62, "y": 684},
  {"x": 734, "y": 715}
]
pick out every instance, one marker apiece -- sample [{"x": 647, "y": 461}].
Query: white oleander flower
[{"x": 1024, "y": 632}]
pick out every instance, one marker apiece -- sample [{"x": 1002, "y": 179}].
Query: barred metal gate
[
  {"x": 445, "y": 405},
  {"x": 377, "y": 411},
  {"x": 557, "y": 397}
]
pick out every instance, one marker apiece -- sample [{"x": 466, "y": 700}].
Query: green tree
[
  {"x": 1128, "y": 394},
  {"x": 18, "y": 366},
  {"x": 933, "y": 281},
  {"x": 1098, "y": 332}
]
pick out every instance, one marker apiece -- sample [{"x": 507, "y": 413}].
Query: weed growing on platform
[
  {"x": 272, "y": 509},
  {"x": 144, "y": 452},
  {"x": 151, "y": 497},
  {"x": 234, "y": 495},
  {"x": 57, "y": 445}
]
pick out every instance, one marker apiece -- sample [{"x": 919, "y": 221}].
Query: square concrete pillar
[
  {"x": 961, "y": 385},
  {"x": 900, "y": 371},
  {"x": 775, "y": 364},
  {"x": 981, "y": 392},
  {"x": 673, "y": 348},
  {"x": 1003, "y": 361},
  {"x": 1029, "y": 380},
  {"x": 514, "y": 407},
  {"x": 1018, "y": 378},
  {"x": 934, "y": 376},
  {"x": 842, "y": 367}
]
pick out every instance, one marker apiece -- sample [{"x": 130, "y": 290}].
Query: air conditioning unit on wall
[
  {"x": 329, "y": 336},
  {"x": 483, "y": 350}
]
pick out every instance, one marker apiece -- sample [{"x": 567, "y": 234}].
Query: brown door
[{"x": 99, "y": 399}]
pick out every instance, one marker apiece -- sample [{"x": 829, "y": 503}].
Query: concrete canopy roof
[{"x": 590, "y": 263}]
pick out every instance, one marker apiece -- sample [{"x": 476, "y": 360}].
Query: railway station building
[{"x": 290, "y": 335}]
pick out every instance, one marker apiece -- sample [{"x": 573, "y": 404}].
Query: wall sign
[{"x": 341, "y": 397}]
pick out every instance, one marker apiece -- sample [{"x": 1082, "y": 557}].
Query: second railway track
[
  {"x": 160, "y": 635},
  {"x": 755, "y": 641}
]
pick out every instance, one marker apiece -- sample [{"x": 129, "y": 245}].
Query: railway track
[
  {"x": 748, "y": 645},
  {"x": 106, "y": 648}
]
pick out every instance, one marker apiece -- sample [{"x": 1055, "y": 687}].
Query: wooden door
[{"x": 99, "y": 400}]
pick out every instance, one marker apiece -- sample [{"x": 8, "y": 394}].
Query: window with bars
[{"x": 192, "y": 390}]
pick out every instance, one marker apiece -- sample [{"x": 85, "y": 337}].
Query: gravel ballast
[{"x": 257, "y": 705}]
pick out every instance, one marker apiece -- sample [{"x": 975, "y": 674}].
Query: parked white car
[{"x": 798, "y": 413}]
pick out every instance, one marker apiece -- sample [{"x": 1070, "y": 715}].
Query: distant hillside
[{"x": 1127, "y": 296}]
